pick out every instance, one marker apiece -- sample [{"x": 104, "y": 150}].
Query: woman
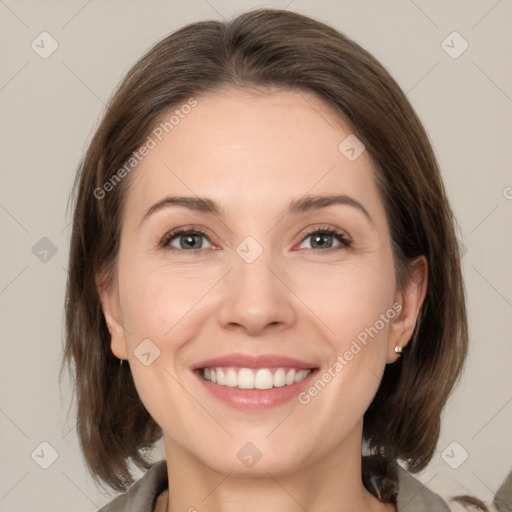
[{"x": 261, "y": 234}]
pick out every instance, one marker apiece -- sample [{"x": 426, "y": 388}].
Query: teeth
[
  {"x": 247, "y": 378},
  {"x": 221, "y": 378},
  {"x": 279, "y": 378},
  {"x": 263, "y": 379},
  {"x": 300, "y": 375}
]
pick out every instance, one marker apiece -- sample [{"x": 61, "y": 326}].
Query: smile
[{"x": 250, "y": 378}]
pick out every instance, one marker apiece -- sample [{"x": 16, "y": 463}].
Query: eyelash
[{"x": 345, "y": 241}]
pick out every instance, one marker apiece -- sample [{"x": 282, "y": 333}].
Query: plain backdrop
[{"x": 50, "y": 106}]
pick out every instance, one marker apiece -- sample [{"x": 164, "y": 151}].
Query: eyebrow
[
  {"x": 308, "y": 203},
  {"x": 295, "y": 207}
]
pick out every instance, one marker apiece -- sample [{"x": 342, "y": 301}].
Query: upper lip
[{"x": 251, "y": 361}]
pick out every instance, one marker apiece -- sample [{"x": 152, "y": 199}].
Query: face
[{"x": 287, "y": 292}]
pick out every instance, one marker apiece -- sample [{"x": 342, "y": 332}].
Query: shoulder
[
  {"x": 142, "y": 495},
  {"x": 388, "y": 481},
  {"x": 414, "y": 496}
]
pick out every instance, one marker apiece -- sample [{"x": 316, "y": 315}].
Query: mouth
[
  {"x": 249, "y": 378},
  {"x": 255, "y": 384}
]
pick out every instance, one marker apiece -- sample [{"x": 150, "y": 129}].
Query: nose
[{"x": 256, "y": 297}]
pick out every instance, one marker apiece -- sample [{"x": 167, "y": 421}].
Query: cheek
[
  {"x": 157, "y": 306},
  {"x": 349, "y": 299},
  {"x": 157, "y": 300},
  {"x": 354, "y": 304},
  {"x": 356, "y": 311},
  {"x": 162, "y": 304}
]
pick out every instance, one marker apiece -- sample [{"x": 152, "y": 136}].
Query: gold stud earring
[{"x": 398, "y": 349}]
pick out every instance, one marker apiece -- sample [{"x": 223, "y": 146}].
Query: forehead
[{"x": 248, "y": 148}]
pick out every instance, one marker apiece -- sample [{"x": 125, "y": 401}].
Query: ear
[
  {"x": 109, "y": 298},
  {"x": 410, "y": 298}
]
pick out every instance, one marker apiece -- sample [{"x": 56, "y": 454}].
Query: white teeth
[
  {"x": 279, "y": 378},
  {"x": 231, "y": 378},
  {"x": 300, "y": 375},
  {"x": 247, "y": 378},
  {"x": 263, "y": 379},
  {"x": 221, "y": 377}
]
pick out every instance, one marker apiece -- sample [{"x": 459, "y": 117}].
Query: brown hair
[{"x": 261, "y": 49}]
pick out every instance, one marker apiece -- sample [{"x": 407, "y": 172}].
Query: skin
[{"x": 253, "y": 153}]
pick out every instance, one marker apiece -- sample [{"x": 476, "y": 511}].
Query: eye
[
  {"x": 186, "y": 239},
  {"x": 322, "y": 239},
  {"x": 191, "y": 239}
]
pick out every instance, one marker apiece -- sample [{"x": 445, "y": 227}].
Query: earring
[
  {"x": 398, "y": 349},
  {"x": 120, "y": 362}
]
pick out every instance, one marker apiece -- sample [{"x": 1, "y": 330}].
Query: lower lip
[{"x": 255, "y": 399}]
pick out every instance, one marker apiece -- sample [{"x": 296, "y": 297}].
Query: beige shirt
[{"x": 413, "y": 496}]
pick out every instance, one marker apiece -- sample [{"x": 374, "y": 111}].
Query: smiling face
[{"x": 262, "y": 267}]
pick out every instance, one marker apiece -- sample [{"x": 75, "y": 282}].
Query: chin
[{"x": 251, "y": 462}]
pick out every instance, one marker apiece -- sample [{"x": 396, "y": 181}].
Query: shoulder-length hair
[{"x": 261, "y": 49}]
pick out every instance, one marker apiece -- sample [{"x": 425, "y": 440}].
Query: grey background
[{"x": 49, "y": 109}]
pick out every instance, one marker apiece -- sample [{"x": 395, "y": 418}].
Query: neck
[{"x": 331, "y": 482}]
